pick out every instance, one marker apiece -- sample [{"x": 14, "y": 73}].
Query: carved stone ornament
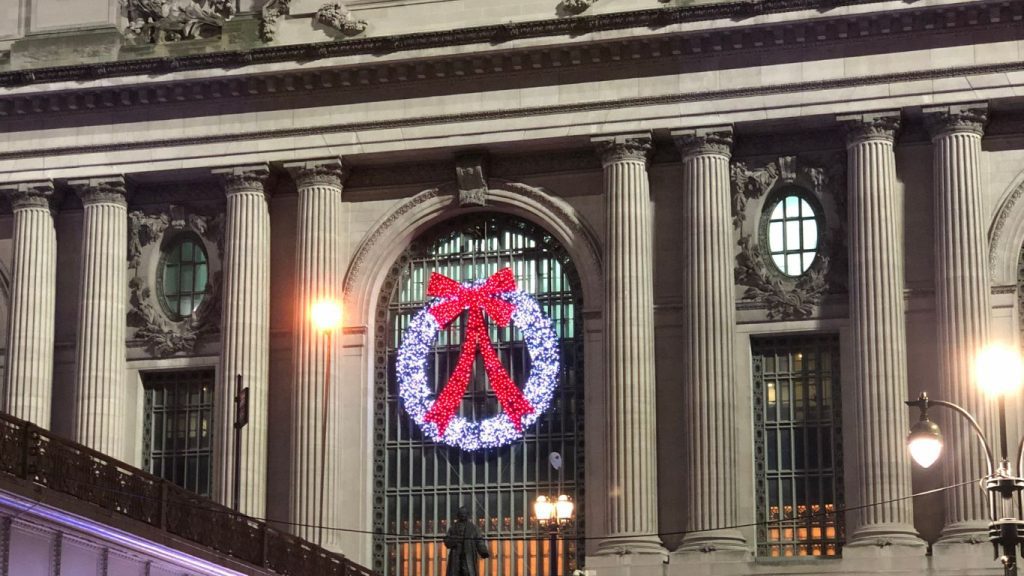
[
  {"x": 30, "y": 195},
  {"x": 970, "y": 118},
  {"x": 327, "y": 172},
  {"x": 158, "y": 21},
  {"x": 623, "y": 148},
  {"x": 272, "y": 11},
  {"x": 337, "y": 16},
  {"x": 753, "y": 183},
  {"x": 109, "y": 190},
  {"x": 472, "y": 182},
  {"x": 577, "y": 6},
  {"x": 161, "y": 334},
  {"x": 704, "y": 141},
  {"x": 245, "y": 179},
  {"x": 871, "y": 126}
]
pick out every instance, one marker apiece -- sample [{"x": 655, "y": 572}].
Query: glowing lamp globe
[
  {"x": 325, "y": 315},
  {"x": 925, "y": 442},
  {"x": 564, "y": 508},
  {"x": 544, "y": 509},
  {"x": 999, "y": 370}
]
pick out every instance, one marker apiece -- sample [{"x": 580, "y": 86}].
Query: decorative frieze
[
  {"x": 340, "y": 18},
  {"x": 159, "y": 21},
  {"x": 757, "y": 182}
]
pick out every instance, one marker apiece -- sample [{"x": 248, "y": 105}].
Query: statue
[{"x": 464, "y": 544}]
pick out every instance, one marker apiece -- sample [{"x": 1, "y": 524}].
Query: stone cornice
[
  {"x": 469, "y": 65},
  {"x": 597, "y": 105},
  {"x": 962, "y": 118}
]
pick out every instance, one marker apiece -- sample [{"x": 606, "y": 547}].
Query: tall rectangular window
[
  {"x": 177, "y": 427},
  {"x": 798, "y": 445}
]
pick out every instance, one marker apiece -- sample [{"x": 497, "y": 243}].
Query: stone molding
[
  {"x": 105, "y": 190},
  {"x": 337, "y": 16},
  {"x": 26, "y": 195},
  {"x": 704, "y": 141},
  {"x": 624, "y": 148},
  {"x": 870, "y": 126},
  {"x": 319, "y": 172},
  {"x": 961, "y": 118},
  {"x": 754, "y": 182},
  {"x": 805, "y": 35},
  {"x": 244, "y": 179},
  {"x": 1004, "y": 249}
]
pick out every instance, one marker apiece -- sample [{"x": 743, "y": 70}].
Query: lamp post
[
  {"x": 325, "y": 316},
  {"x": 553, "y": 514},
  {"x": 999, "y": 371}
]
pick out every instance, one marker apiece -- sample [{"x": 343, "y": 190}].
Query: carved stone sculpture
[
  {"x": 577, "y": 6},
  {"x": 156, "y": 21},
  {"x": 337, "y": 16},
  {"x": 469, "y": 173},
  {"x": 272, "y": 11}
]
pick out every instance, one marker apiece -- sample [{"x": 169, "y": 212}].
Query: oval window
[
  {"x": 184, "y": 276},
  {"x": 793, "y": 235}
]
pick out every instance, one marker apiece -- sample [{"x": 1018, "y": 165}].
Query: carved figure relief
[
  {"x": 156, "y": 329},
  {"x": 471, "y": 179},
  {"x": 272, "y": 11},
  {"x": 577, "y": 6},
  {"x": 337, "y": 16},
  {"x": 157, "y": 21},
  {"x": 755, "y": 185}
]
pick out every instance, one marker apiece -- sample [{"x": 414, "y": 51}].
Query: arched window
[
  {"x": 792, "y": 234},
  {"x": 419, "y": 484},
  {"x": 183, "y": 276}
]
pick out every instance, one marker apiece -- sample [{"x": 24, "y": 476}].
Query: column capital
[
  {"x": 623, "y": 147},
  {"x": 964, "y": 118},
  {"x": 103, "y": 190},
  {"x": 318, "y": 172},
  {"x": 716, "y": 140},
  {"x": 242, "y": 179},
  {"x": 23, "y": 195},
  {"x": 862, "y": 127}
]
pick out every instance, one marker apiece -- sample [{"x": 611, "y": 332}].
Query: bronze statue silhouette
[{"x": 465, "y": 545}]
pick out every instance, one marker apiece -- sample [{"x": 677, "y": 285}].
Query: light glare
[
  {"x": 925, "y": 451},
  {"x": 998, "y": 370},
  {"x": 325, "y": 315}
]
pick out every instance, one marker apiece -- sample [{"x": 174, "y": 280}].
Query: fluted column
[
  {"x": 629, "y": 347},
  {"x": 317, "y": 277},
  {"x": 879, "y": 337},
  {"x": 709, "y": 323},
  {"x": 962, "y": 307},
  {"x": 99, "y": 411},
  {"x": 245, "y": 338},
  {"x": 29, "y": 378}
]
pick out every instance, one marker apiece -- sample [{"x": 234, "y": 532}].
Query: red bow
[{"x": 478, "y": 300}]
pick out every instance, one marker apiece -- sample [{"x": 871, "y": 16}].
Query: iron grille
[
  {"x": 420, "y": 484},
  {"x": 177, "y": 427},
  {"x": 798, "y": 445}
]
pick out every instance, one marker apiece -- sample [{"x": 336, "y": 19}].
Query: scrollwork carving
[
  {"x": 781, "y": 301},
  {"x": 158, "y": 21},
  {"x": 337, "y": 16},
  {"x": 162, "y": 335}
]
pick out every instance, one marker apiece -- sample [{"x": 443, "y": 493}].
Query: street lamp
[
  {"x": 998, "y": 371},
  {"x": 325, "y": 316},
  {"x": 554, "y": 514}
]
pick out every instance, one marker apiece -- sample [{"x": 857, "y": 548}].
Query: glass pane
[
  {"x": 793, "y": 264},
  {"x": 186, "y": 251},
  {"x": 792, "y": 235},
  {"x": 777, "y": 213},
  {"x": 775, "y": 241},
  {"x": 810, "y": 240},
  {"x": 201, "y": 279},
  {"x": 808, "y": 258},
  {"x": 792, "y": 207},
  {"x": 780, "y": 261}
]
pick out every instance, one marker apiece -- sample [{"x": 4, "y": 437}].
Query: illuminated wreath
[{"x": 498, "y": 297}]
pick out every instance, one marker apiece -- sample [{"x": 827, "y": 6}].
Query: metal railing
[{"x": 45, "y": 459}]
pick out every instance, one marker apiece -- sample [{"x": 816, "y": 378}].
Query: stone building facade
[{"x": 757, "y": 226}]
